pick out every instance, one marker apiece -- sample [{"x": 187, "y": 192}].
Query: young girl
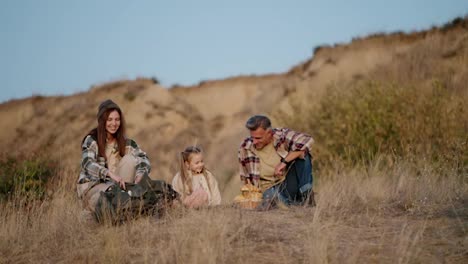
[{"x": 195, "y": 184}]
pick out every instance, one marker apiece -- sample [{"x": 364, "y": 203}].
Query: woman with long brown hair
[{"x": 109, "y": 157}]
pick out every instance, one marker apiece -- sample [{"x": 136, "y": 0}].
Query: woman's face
[
  {"x": 113, "y": 122},
  {"x": 196, "y": 163}
]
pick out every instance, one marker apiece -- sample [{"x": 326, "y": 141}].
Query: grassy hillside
[{"x": 389, "y": 116}]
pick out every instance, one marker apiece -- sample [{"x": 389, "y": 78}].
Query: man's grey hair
[{"x": 257, "y": 121}]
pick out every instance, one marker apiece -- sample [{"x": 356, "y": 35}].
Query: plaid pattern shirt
[
  {"x": 284, "y": 141},
  {"x": 95, "y": 169}
]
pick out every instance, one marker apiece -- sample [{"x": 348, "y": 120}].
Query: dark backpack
[{"x": 149, "y": 197}]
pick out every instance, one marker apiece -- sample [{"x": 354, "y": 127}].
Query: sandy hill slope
[{"x": 212, "y": 113}]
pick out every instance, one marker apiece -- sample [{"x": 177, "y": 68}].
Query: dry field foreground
[{"x": 371, "y": 215}]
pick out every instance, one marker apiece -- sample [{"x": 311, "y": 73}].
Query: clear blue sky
[{"x": 60, "y": 47}]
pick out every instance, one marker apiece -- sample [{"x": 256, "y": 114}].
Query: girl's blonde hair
[{"x": 186, "y": 156}]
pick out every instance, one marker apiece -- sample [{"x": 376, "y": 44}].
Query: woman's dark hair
[{"x": 99, "y": 133}]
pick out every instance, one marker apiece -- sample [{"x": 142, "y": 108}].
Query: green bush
[
  {"x": 25, "y": 177},
  {"x": 368, "y": 119},
  {"x": 130, "y": 96}
]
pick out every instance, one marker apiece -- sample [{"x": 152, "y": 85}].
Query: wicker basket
[
  {"x": 250, "y": 197},
  {"x": 249, "y": 204}
]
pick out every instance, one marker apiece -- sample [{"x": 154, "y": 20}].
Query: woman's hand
[
  {"x": 117, "y": 179},
  {"x": 138, "y": 178}
]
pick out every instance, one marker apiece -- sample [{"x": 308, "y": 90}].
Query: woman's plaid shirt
[
  {"x": 94, "y": 170},
  {"x": 284, "y": 141}
]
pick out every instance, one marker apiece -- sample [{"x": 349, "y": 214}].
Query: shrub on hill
[
  {"x": 367, "y": 119},
  {"x": 25, "y": 177}
]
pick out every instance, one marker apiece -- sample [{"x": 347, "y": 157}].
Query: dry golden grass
[
  {"x": 400, "y": 209},
  {"x": 364, "y": 215}
]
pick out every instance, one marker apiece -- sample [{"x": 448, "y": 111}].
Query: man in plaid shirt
[{"x": 278, "y": 161}]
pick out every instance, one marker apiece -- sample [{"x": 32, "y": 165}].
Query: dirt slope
[{"x": 212, "y": 113}]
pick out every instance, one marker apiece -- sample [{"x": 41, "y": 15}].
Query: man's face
[{"x": 261, "y": 137}]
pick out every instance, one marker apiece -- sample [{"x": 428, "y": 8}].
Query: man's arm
[
  {"x": 292, "y": 155},
  {"x": 297, "y": 141},
  {"x": 280, "y": 168},
  {"x": 243, "y": 172},
  {"x": 297, "y": 144}
]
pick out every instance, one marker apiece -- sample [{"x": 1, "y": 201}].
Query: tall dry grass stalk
[{"x": 364, "y": 214}]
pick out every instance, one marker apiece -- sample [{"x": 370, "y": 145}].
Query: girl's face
[
  {"x": 113, "y": 122},
  {"x": 195, "y": 163}
]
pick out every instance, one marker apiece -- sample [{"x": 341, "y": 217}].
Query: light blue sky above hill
[{"x": 58, "y": 47}]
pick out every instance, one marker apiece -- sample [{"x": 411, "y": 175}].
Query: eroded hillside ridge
[{"x": 212, "y": 113}]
